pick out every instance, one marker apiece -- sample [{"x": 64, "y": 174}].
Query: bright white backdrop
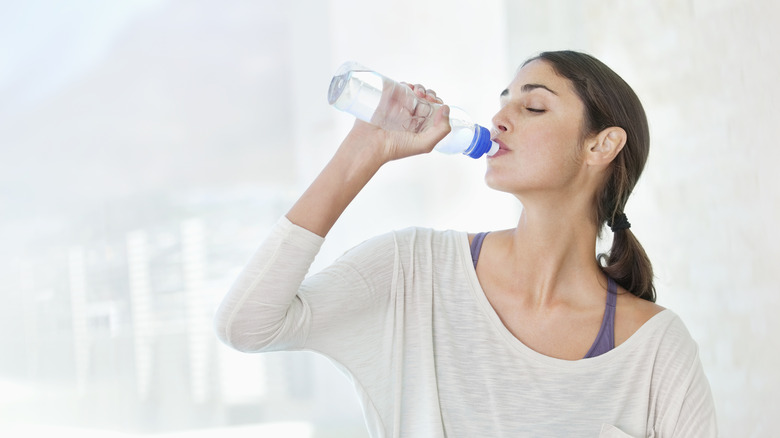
[{"x": 146, "y": 147}]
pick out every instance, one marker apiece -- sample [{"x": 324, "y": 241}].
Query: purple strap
[
  {"x": 476, "y": 247},
  {"x": 605, "y": 340}
]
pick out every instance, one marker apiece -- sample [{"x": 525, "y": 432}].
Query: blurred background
[{"x": 146, "y": 147}]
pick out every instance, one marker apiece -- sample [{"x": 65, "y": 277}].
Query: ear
[{"x": 604, "y": 147}]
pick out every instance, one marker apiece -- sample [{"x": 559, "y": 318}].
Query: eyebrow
[{"x": 528, "y": 88}]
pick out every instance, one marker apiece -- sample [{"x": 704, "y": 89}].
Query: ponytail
[{"x": 628, "y": 264}]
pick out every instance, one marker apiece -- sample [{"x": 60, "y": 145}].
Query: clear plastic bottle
[{"x": 376, "y": 99}]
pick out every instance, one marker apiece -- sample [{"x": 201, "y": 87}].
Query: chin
[
  {"x": 510, "y": 183},
  {"x": 499, "y": 184}
]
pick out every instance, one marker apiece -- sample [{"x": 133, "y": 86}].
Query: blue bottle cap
[{"x": 480, "y": 144}]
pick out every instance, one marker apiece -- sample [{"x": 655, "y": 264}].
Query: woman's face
[{"x": 539, "y": 131}]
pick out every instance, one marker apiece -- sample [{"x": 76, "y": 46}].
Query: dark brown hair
[{"x": 610, "y": 101}]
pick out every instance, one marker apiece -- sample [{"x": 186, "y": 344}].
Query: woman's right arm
[
  {"x": 365, "y": 149},
  {"x": 263, "y": 310}
]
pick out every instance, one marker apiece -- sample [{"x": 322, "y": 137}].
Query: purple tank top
[{"x": 605, "y": 340}]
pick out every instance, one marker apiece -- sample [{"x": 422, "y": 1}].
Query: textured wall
[{"x": 708, "y": 202}]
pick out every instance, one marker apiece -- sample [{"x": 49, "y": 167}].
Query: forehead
[{"x": 539, "y": 75}]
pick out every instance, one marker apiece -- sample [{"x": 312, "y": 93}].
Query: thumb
[{"x": 441, "y": 124}]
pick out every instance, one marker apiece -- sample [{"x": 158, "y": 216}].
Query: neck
[{"x": 553, "y": 250}]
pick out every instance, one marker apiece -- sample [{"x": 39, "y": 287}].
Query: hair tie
[{"x": 619, "y": 222}]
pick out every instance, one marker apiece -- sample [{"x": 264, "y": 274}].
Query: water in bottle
[{"x": 376, "y": 99}]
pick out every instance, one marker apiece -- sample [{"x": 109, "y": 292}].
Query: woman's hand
[{"x": 420, "y": 133}]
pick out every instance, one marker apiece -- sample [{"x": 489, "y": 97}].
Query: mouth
[
  {"x": 501, "y": 145},
  {"x": 502, "y": 149}
]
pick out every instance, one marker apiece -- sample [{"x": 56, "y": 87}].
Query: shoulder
[
  {"x": 405, "y": 242},
  {"x": 676, "y": 342},
  {"x": 632, "y": 313},
  {"x": 666, "y": 338},
  {"x": 382, "y": 258},
  {"x": 421, "y": 238}
]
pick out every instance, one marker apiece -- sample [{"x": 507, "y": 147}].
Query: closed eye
[{"x": 535, "y": 110}]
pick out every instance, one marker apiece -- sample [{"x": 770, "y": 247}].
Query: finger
[
  {"x": 427, "y": 94},
  {"x": 431, "y": 95},
  {"x": 421, "y": 91}
]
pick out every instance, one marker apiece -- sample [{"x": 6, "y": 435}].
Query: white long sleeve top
[{"x": 404, "y": 317}]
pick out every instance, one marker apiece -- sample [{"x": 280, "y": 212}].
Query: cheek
[
  {"x": 546, "y": 158},
  {"x": 558, "y": 143},
  {"x": 548, "y": 145}
]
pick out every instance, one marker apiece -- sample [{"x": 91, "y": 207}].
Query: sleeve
[
  {"x": 697, "y": 411},
  {"x": 273, "y": 306},
  {"x": 685, "y": 406}
]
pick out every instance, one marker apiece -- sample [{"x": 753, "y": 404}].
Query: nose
[{"x": 500, "y": 124}]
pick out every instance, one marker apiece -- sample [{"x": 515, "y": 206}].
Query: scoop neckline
[{"x": 629, "y": 345}]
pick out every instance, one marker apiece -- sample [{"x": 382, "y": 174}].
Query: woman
[{"x": 521, "y": 332}]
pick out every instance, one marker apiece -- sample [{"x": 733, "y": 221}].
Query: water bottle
[{"x": 381, "y": 101}]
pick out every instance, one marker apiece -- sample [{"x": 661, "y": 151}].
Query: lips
[
  {"x": 501, "y": 145},
  {"x": 502, "y": 149}
]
